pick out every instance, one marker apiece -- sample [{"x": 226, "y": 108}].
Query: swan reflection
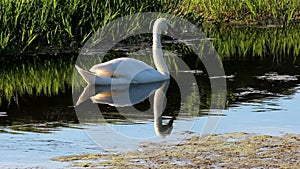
[{"x": 130, "y": 95}]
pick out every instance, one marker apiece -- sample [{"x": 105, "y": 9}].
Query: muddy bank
[{"x": 233, "y": 150}]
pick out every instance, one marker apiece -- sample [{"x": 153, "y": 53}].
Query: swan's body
[
  {"x": 121, "y": 71},
  {"x": 128, "y": 70}
]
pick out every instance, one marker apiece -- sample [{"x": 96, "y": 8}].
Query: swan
[{"x": 129, "y": 70}]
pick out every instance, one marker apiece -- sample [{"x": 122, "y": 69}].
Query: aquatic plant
[
  {"x": 246, "y": 11},
  {"x": 56, "y": 26},
  {"x": 238, "y": 150},
  {"x": 240, "y": 42}
]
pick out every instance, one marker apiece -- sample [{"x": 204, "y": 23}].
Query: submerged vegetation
[
  {"x": 231, "y": 150},
  {"x": 56, "y": 26}
]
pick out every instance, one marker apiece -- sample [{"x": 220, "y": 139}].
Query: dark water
[
  {"x": 38, "y": 116},
  {"x": 30, "y": 93},
  {"x": 262, "y": 97}
]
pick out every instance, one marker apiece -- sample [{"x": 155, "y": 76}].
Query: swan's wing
[
  {"x": 87, "y": 76},
  {"x": 121, "y": 67},
  {"x": 105, "y": 69},
  {"x": 92, "y": 78},
  {"x": 121, "y": 71},
  {"x": 147, "y": 75}
]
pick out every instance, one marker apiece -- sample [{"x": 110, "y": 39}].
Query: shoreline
[{"x": 235, "y": 150}]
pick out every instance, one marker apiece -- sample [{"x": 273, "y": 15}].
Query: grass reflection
[{"x": 35, "y": 77}]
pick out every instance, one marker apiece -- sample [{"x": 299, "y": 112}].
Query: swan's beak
[{"x": 170, "y": 31}]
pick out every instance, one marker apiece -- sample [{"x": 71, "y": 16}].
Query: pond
[{"x": 38, "y": 119}]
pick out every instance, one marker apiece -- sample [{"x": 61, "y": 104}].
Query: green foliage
[
  {"x": 33, "y": 24},
  {"x": 262, "y": 42},
  {"x": 49, "y": 25},
  {"x": 247, "y": 11}
]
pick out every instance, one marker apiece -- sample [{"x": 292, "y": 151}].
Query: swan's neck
[{"x": 158, "y": 54}]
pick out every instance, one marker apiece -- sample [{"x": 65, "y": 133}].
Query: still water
[
  {"x": 38, "y": 124},
  {"x": 38, "y": 119}
]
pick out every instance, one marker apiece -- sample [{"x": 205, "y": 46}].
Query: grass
[
  {"x": 242, "y": 42},
  {"x": 246, "y": 11},
  {"x": 32, "y": 25}
]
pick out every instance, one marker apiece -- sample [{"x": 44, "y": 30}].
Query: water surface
[{"x": 38, "y": 120}]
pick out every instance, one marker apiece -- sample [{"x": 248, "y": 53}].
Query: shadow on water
[{"x": 36, "y": 90}]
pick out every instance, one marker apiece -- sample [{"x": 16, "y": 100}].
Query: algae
[{"x": 231, "y": 150}]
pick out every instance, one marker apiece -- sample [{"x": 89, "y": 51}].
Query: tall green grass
[
  {"x": 241, "y": 42},
  {"x": 247, "y": 11},
  {"x": 47, "y": 26},
  {"x": 61, "y": 24}
]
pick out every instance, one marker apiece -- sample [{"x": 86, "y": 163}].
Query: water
[
  {"x": 38, "y": 120},
  {"x": 262, "y": 98},
  {"x": 274, "y": 116},
  {"x": 31, "y": 149}
]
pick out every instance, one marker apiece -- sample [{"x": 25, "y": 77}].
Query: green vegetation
[
  {"x": 58, "y": 26},
  {"x": 241, "y": 42},
  {"x": 246, "y": 11},
  {"x": 231, "y": 150},
  {"x": 62, "y": 24}
]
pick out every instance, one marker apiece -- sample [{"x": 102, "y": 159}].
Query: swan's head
[
  {"x": 163, "y": 130},
  {"x": 162, "y": 26}
]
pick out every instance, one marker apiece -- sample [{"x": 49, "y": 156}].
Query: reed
[
  {"x": 256, "y": 42},
  {"x": 61, "y": 25},
  {"x": 247, "y": 11},
  {"x": 64, "y": 24}
]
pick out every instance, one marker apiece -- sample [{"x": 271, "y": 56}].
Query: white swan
[{"x": 128, "y": 70}]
